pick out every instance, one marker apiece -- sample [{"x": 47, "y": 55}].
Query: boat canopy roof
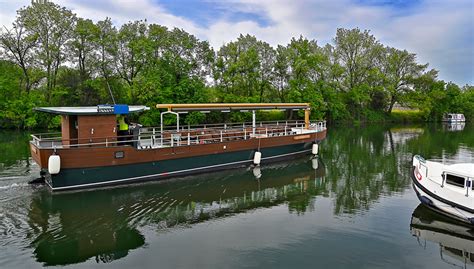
[
  {"x": 93, "y": 110},
  {"x": 465, "y": 169},
  {"x": 232, "y": 106}
]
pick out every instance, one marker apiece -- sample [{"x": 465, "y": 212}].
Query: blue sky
[{"x": 441, "y": 33}]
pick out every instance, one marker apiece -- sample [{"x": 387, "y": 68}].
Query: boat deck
[{"x": 144, "y": 138}]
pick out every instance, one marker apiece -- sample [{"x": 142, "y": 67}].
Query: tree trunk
[{"x": 392, "y": 103}]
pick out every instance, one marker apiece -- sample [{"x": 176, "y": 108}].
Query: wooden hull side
[
  {"x": 93, "y": 177},
  {"x": 88, "y": 157}
]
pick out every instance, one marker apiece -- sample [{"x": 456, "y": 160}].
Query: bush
[{"x": 407, "y": 116}]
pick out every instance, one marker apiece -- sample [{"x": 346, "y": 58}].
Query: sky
[{"x": 441, "y": 33}]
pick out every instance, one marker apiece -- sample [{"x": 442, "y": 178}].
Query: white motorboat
[
  {"x": 447, "y": 188},
  {"x": 454, "y": 117}
]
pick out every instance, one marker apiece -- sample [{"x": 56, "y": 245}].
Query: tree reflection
[
  {"x": 365, "y": 163},
  {"x": 14, "y": 148}
]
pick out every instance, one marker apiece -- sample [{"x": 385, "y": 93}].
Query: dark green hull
[{"x": 81, "y": 178}]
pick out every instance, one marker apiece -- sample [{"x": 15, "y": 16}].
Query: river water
[{"x": 352, "y": 208}]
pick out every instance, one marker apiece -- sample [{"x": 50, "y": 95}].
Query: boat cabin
[
  {"x": 459, "y": 177},
  {"x": 86, "y": 125},
  {"x": 454, "y": 117}
]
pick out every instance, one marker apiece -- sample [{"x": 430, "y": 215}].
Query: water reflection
[
  {"x": 358, "y": 166},
  {"x": 454, "y": 126},
  {"x": 73, "y": 227},
  {"x": 364, "y": 164},
  {"x": 70, "y": 229},
  {"x": 14, "y": 149},
  {"x": 455, "y": 239}
]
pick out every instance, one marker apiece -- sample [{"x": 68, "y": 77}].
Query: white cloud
[
  {"x": 439, "y": 32},
  {"x": 123, "y": 11},
  {"x": 8, "y": 11}
]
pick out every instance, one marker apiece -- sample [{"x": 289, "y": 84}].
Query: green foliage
[
  {"x": 50, "y": 57},
  {"x": 406, "y": 116},
  {"x": 374, "y": 116},
  {"x": 271, "y": 115},
  {"x": 18, "y": 113},
  {"x": 464, "y": 102},
  {"x": 10, "y": 81}
]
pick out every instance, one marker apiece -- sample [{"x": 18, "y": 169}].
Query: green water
[{"x": 352, "y": 208}]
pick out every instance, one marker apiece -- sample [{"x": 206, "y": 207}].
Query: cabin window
[
  {"x": 119, "y": 154},
  {"x": 455, "y": 180},
  {"x": 455, "y": 251}
]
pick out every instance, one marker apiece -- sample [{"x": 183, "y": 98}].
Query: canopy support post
[
  {"x": 253, "y": 123},
  {"x": 307, "y": 112},
  {"x": 161, "y": 123}
]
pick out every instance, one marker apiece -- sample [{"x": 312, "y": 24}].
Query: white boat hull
[
  {"x": 444, "y": 208},
  {"x": 437, "y": 195}
]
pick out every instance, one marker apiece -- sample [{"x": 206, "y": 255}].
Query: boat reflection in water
[
  {"x": 454, "y": 126},
  {"x": 455, "y": 239},
  {"x": 106, "y": 224}
]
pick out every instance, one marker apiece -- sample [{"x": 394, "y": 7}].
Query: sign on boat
[{"x": 90, "y": 151}]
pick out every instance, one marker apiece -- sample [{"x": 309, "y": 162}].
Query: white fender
[
  {"x": 257, "y": 172},
  {"x": 54, "y": 164},
  {"x": 315, "y": 149},
  {"x": 257, "y": 158},
  {"x": 315, "y": 163}
]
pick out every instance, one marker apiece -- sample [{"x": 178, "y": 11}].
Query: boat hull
[
  {"x": 94, "y": 177},
  {"x": 439, "y": 204}
]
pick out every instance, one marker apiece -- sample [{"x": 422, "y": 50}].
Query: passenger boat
[
  {"x": 447, "y": 188},
  {"x": 454, "y": 117},
  {"x": 455, "y": 239},
  {"x": 89, "y": 153}
]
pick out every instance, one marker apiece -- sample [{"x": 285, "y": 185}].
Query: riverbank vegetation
[{"x": 51, "y": 57}]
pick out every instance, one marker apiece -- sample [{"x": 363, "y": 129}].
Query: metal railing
[
  {"x": 152, "y": 137},
  {"x": 468, "y": 181}
]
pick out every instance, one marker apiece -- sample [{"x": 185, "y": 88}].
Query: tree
[
  {"x": 429, "y": 94},
  {"x": 131, "y": 50},
  {"x": 10, "y": 81},
  {"x": 464, "y": 102},
  {"x": 53, "y": 26},
  {"x": 281, "y": 73},
  {"x": 244, "y": 69},
  {"x": 83, "y": 47},
  {"x": 18, "y": 46},
  {"x": 106, "y": 46},
  {"x": 307, "y": 64},
  {"x": 358, "y": 52},
  {"x": 399, "y": 70},
  {"x": 177, "y": 67}
]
